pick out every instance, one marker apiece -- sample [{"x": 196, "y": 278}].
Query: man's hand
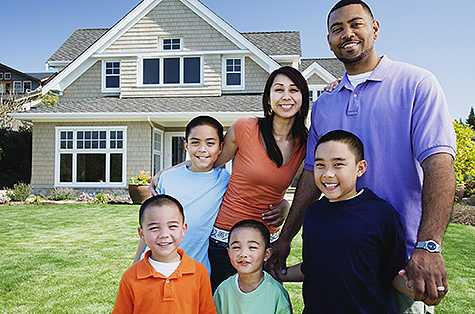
[
  {"x": 427, "y": 273},
  {"x": 277, "y": 263},
  {"x": 276, "y": 214}
]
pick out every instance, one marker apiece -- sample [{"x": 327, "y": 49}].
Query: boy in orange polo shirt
[{"x": 166, "y": 280}]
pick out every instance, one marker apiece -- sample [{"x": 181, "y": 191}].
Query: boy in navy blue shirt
[{"x": 353, "y": 242}]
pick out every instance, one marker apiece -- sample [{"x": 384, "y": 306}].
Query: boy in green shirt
[{"x": 251, "y": 290}]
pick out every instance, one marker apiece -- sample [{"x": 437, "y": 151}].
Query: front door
[{"x": 175, "y": 152}]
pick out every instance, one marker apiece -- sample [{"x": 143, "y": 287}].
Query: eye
[
  {"x": 336, "y": 30},
  {"x": 173, "y": 227},
  {"x": 194, "y": 143},
  {"x": 253, "y": 248},
  {"x": 279, "y": 89},
  {"x": 211, "y": 143},
  {"x": 235, "y": 247},
  {"x": 319, "y": 166},
  {"x": 339, "y": 165},
  {"x": 357, "y": 24}
]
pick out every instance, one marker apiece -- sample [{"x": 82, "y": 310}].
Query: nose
[
  {"x": 286, "y": 94},
  {"x": 347, "y": 33},
  {"x": 328, "y": 173},
  {"x": 202, "y": 148}
]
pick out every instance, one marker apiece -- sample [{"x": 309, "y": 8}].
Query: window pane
[
  {"x": 102, "y": 144},
  {"x": 151, "y": 70},
  {"x": 116, "y": 168},
  {"x": 91, "y": 167},
  {"x": 157, "y": 165},
  {"x": 66, "y": 168},
  {"x": 233, "y": 79},
  {"x": 171, "y": 71},
  {"x": 192, "y": 70},
  {"x": 119, "y": 135},
  {"x": 27, "y": 86},
  {"x": 102, "y": 135},
  {"x": 112, "y": 81},
  {"x": 178, "y": 150}
]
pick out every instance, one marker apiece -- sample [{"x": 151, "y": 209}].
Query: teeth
[
  {"x": 350, "y": 45},
  {"x": 330, "y": 185}
]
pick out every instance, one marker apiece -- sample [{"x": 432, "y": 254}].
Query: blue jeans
[{"x": 221, "y": 267}]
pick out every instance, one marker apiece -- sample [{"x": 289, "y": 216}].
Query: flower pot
[{"x": 139, "y": 193}]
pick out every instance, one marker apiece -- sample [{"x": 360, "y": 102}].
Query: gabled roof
[
  {"x": 42, "y": 75},
  {"x": 84, "y": 60},
  {"x": 272, "y": 43},
  {"x": 332, "y": 65},
  {"x": 20, "y": 73}
]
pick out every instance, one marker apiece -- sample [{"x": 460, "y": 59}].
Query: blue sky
[{"x": 436, "y": 34}]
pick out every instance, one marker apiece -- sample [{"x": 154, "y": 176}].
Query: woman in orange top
[{"x": 267, "y": 152}]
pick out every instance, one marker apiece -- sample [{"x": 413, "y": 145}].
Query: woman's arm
[
  {"x": 293, "y": 274},
  {"x": 229, "y": 148}
]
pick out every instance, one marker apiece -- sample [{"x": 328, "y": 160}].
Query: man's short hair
[
  {"x": 205, "y": 120},
  {"x": 160, "y": 200},
  {"x": 344, "y": 3},
  {"x": 348, "y": 138},
  {"x": 252, "y": 224}
]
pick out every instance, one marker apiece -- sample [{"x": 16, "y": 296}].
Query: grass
[{"x": 69, "y": 258}]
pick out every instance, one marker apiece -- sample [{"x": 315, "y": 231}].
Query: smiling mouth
[
  {"x": 164, "y": 244},
  {"x": 286, "y": 106},
  {"x": 330, "y": 186},
  {"x": 349, "y": 45}
]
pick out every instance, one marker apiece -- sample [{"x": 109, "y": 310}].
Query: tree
[{"x": 471, "y": 118}]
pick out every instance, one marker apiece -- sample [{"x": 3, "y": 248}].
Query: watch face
[{"x": 431, "y": 246}]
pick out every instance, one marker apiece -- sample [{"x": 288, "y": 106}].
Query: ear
[
  {"x": 185, "y": 227},
  {"x": 361, "y": 167},
  {"x": 140, "y": 232},
  {"x": 375, "y": 27},
  {"x": 267, "y": 254}
]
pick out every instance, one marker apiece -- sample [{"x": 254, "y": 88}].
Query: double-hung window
[
  {"x": 7, "y": 76},
  {"x": 27, "y": 86},
  {"x": 315, "y": 91},
  {"x": 171, "y": 71},
  {"x": 90, "y": 156},
  {"x": 1, "y": 76},
  {"x": 111, "y": 76},
  {"x": 18, "y": 87},
  {"x": 233, "y": 70},
  {"x": 171, "y": 44}
]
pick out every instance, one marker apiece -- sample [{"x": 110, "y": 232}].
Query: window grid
[
  {"x": 1, "y": 76},
  {"x": 233, "y": 72},
  {"x": 171, "y": 44},
  {"x": 172, "y": 71},
  {"x": 7, "y": 76},
  {"x": 27, "y": 86},
  {"x": 112, "y": 74}
]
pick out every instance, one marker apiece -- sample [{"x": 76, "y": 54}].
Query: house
[
  {"x": 127, "y": 92},
  {"x": 14, "y": 83}
]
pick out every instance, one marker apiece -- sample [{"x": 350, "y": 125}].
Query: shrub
[
  {"x": 61, "y": 194},
  {"x": 469, "y": 186},
  {"x": 119, "y": 198},
  {"x": 465, "y": 161},
  {"x": 102, "y": 198},
  {"x": 20, "y": 192},
  {"x": 4, "y": 199}
]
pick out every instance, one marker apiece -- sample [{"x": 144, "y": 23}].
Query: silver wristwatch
[{"x": 429, "y": 245}]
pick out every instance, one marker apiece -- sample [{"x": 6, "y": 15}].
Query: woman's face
[{"x": 285, "y": 97}]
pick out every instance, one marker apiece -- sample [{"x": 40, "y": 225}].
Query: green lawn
[{"x": 58, "y": 259}]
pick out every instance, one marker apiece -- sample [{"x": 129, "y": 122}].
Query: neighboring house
[
  {"x": 16, "y": 83},
  {"x": 128, "y": 91}
]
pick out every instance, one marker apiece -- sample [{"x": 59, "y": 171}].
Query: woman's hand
[
  {"x": 330, "y": 87},
  {"x": 276, "y": 214}
]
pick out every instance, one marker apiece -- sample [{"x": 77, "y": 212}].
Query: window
[
  {"x": 1, "y": 76},
  {"x": 178, "y": 71},
  {"x": 171, "y": 44},
  {"x": 111, "y": 76},
  {"x": 314, "y": 92},
  {"x": 157, "y": 150},
  {"x": 7, "y": 76},
  {"x": 233, "y": 73},
  {"x": 18, "y": 87},
  {"x": 27, "y": 86},
  {"x": 90, "y": 156}
]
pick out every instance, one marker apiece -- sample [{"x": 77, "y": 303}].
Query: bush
[
  {"x": 4, "y": 199},
  {"x": 143, "y": 178},
  {"x": 465, "y": 161},
  {"x": 102, "y": 198},
  {"x": 20, "y": 192},
  {"x": 469, "y": 186},
  {"x": 61, "y": 194}
]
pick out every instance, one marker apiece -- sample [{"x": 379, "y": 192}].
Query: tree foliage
[
  {"x": 471, "y": 118},
  {"x": 465, "y": 160}
]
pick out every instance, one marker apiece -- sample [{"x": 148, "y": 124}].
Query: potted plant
[{"x": 138, "y": 187}]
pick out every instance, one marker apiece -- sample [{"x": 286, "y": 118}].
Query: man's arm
[
  {"x": 427, "y": 270},
  {"x": 305, "y": 194}
]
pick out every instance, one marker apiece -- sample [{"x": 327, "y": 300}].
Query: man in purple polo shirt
[{"x": 400, "y": 113}]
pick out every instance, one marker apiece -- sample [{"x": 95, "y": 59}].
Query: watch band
[{"x": 429, "y": 245}]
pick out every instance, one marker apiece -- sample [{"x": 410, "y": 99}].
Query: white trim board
[
  {"x": 316, "y": 68},
  {"x": 76, "y": 68}
]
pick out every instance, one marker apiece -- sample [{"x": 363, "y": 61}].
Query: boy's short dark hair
[
  {"x": 353, "y": 142},
  {"x": 252, "y": 224},
  {"x": 344, "y": 3},
  {"x": 205, "y": 120},
  {"x": 160, "y": 200}
]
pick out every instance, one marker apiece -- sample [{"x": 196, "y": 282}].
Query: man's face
[{"x": 351, "y": 34}]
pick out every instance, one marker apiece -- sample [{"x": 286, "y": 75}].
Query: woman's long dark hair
[{"x": 299, "y": 130}]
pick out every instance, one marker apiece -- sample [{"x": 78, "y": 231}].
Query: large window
[
  {"x": 90, "y": 156},
  {"x": 18, "y": 87},
  {"x": 111, "y": 76},
  {"x": 233, "y": 73},
  {"x": 27, "y": 86},
  {"x": 171, "y": 71},
  {"x": 171, "y": 44}
]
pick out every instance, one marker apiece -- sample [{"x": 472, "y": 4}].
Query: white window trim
[
  {"x": 155, "y": 132},
  {"x": 1, "y": 76},
  {"x": 161, "y": 43},
  {"x": 243, "y": 74},
  {"x": 14, "y": 89},
  {"x": 30, "y": 89},
  {"x": 161, "y": 72},
  {"x": 74, "y": 152},
  {"x": 316, "y": 88},
  {"x": 104, "y": 89},
  {"x": 167, "y": 156},
  {"x": 7, "y": 76}
]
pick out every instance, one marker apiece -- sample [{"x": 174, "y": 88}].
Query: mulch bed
[{"x": 463, "y": 214}]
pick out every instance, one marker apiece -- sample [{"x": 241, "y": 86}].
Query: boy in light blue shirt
[{"x": 198, "y": 187}]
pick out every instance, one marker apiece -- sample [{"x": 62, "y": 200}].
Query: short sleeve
[
  {"x": 124, "y": 300},
  {"x": 311, "y": 141},
  {"x": 284, "y": 306},
  {"x": 432, "y": 129}
]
